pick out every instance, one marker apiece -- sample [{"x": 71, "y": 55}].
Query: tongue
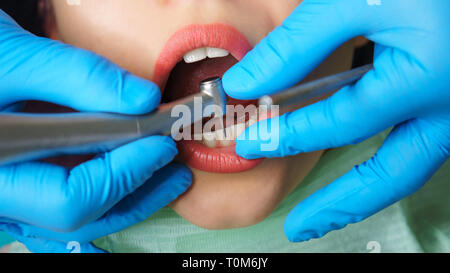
[{"x": 185, "y": 78}]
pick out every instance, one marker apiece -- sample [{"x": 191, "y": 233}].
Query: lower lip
[
  {"x": 216, "y": 160},
  {"x": 219, "y": 159},
  {"x": 194, "y": 153}
]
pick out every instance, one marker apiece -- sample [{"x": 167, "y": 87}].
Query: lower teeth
[{"x": 219, "y": 139}]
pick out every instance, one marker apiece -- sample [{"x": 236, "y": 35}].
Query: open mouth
[{"x": 195, "y": 53}]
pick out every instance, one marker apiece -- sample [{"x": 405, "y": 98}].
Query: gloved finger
[
  {"x": 50, "y": 197},
  {"x": 370, "y": 187},
  {"x": 35, "y": 68},
  {"x": 381, "y": 99},
  {"x": 163, "y": 188},
  {"x": 312, "y": 32}
]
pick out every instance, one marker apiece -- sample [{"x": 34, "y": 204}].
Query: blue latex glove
[
  {"x": 45, "y": 206},
  {"x": 408, "y": 89}
]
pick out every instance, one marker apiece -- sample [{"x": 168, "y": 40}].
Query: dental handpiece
[
  {"x": 303, "y": 92},
  {"x": 25, "y": 137}
]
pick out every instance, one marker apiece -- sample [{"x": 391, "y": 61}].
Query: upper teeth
[{"x": 201, "y": 54}]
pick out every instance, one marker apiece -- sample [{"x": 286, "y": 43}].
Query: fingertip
[
  {"x": 166, "y": 185},
  {"x": 229, "y": 82},
  {"x": 244, "y": 149},
  {"x": 293, "y": 232},
  {"x": 167, "y": 143},
  {"x": 139, "y": 96},
  {"x": 237, "y": 83},
  {"x": 182, "y": 175},
  {"x": 242, "y": 145},
  {"x": 162, "y": 150},
  {"x": 289, "y": 232},
  {"x": 177, "y": 180},
  {"x": 248, "y": 145},
  {"x": 139, "y": 159},
  {"x": 162, "y": 188},
  {"x": 181, "y": 169}
]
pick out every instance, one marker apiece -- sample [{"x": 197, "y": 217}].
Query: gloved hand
[
  {"x": 44, "y": 205},
  {"x": 407, "y": 89}
]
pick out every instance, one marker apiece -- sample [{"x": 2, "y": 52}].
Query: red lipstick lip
[
  {"x": 218, "y": 35},
  {"x": 216, "y": 160}
]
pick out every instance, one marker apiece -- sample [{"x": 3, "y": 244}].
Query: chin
[{"x": 225, "y": 201}]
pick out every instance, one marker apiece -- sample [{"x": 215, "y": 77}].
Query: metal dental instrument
[
  {"x": 312, "y": 89},
  {"x": 213, "y": 87},
  {"x": 26, "y": 137}
]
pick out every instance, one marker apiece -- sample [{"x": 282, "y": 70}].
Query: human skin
[
  {"x": 5, "y": 249},
  {"x": 133, "y": 34}
]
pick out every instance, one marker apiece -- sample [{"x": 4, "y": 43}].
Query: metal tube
[
  {"x": 303, "y": 92},
  {"x": 26, "y": 137},
  {"x": 213, "y": 87}
]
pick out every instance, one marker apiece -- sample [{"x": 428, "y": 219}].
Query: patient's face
[{"x": 149, "y": 38}]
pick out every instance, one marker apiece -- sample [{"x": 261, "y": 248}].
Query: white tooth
[
  {"x": 212, "y": 52},
  {"x": 212, "y": 139},
  {"x": 209, "y": 139},
  {"x": 210, "y": 143},
  {"x": 195, "y": 55},
  {"x": 226, "y": 143},
  {"x": 209, "y": 136},
  {"x": 219, "y": 134}
]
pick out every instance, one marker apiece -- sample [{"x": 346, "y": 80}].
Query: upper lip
[{"x": 216, "y": 35}]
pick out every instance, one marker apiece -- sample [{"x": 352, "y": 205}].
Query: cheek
[
  {"x": 111, "y": 31},
  {"x": 281, "y": 9}
]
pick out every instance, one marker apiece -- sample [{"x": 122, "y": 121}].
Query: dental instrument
[
  {"x": 25, "y": 137},
  {"x": 316, "y": 88}
]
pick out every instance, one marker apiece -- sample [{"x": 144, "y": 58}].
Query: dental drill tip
[{"x": 213, "y": 87}]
